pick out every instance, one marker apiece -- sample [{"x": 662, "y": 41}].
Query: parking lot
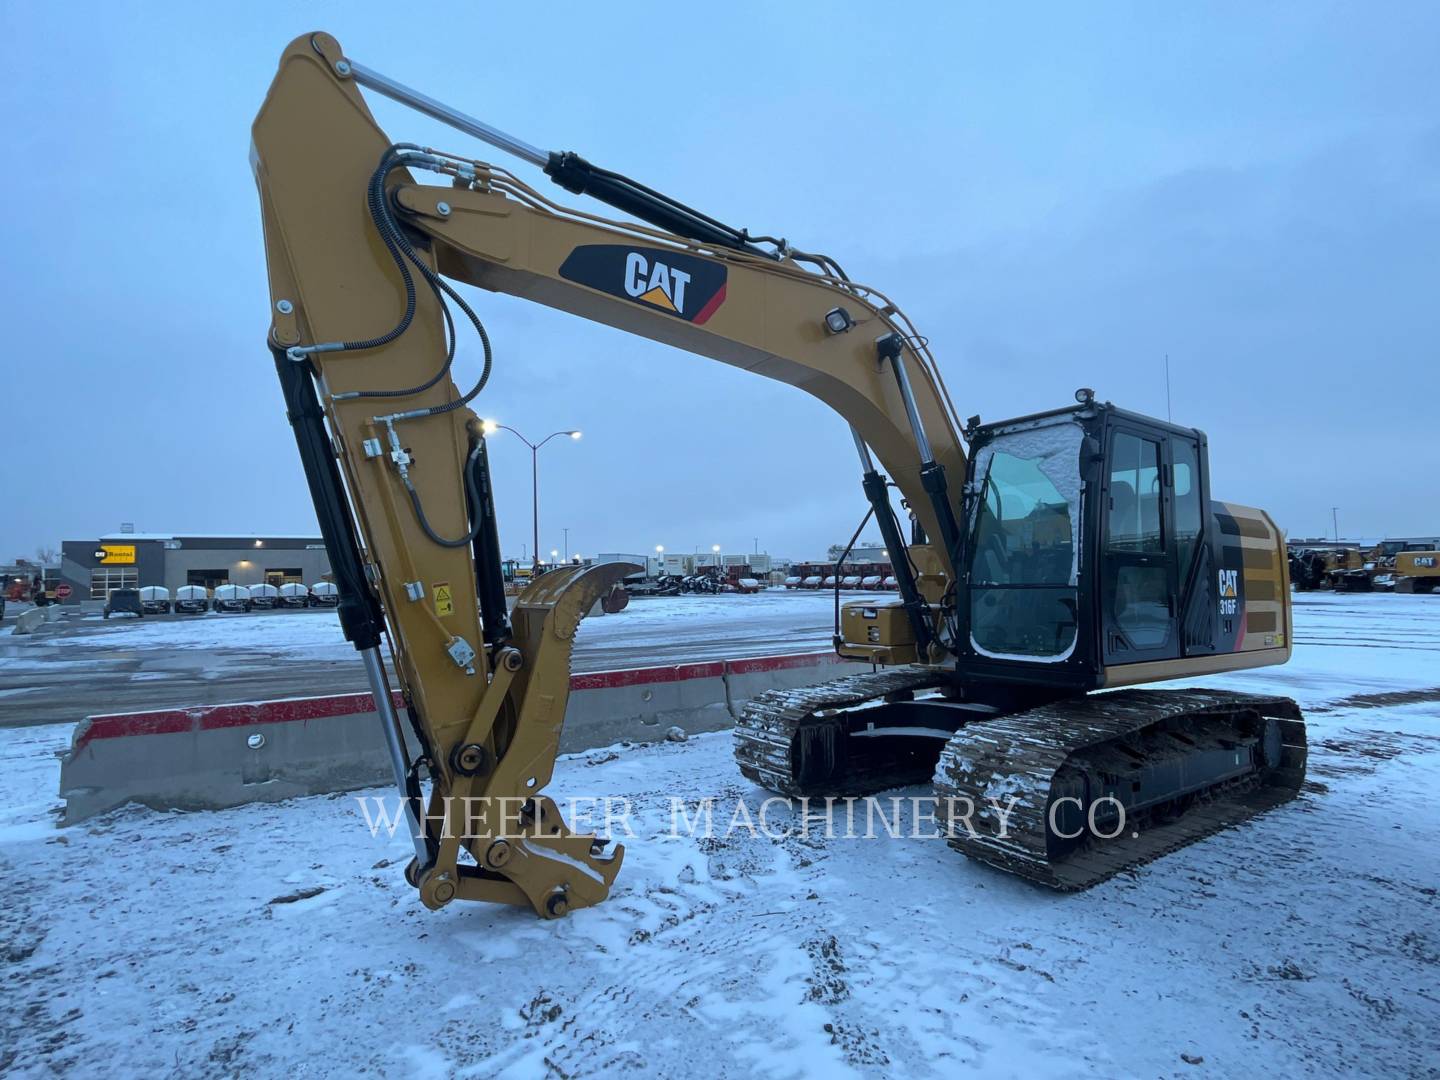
[{"x": 87, "y": 664}]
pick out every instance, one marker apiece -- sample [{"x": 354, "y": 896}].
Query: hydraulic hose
[
  {"x": 402, "y": 252},
  {"x": 471, "y": 464}
]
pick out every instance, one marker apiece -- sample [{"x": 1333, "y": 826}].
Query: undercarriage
[{"x": 1065, "y": 793}]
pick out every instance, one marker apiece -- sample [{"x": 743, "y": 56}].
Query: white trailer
[
  {"x": 264, "y": 597},
  {"x": 324, "y": 594},
  {"x": 192, "y": 600},
  {"x": 678, "y": 565},
  {"x": 231, "y": 598},
  {"x": 155, "y": 599},
  {"x": 294, "y": 594}
]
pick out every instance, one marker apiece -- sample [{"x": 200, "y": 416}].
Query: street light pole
[{"x": 490, "y": 425}]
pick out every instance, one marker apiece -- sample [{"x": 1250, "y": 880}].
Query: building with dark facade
[{"x": 129, "y": 560}]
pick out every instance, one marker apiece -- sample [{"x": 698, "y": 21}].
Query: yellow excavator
[{"x": 1047, "y": 557}]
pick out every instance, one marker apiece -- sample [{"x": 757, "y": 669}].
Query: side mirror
[{"x": 1091, "y": 450}]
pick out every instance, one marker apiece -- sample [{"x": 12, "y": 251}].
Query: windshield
[{"x": 1025, "y": 554}]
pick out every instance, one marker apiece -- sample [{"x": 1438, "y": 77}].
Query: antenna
[{"x": 1168, "y": 417}]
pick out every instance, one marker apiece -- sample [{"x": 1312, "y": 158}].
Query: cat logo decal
[{"x": 680, "y": 284}]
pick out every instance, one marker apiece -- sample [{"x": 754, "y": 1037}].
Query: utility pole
[
  {"x": 567, "y": 545},
  {"x": 1335, "y": 521}
]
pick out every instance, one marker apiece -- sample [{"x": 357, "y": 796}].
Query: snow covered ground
[
  {"x": 1306, "y": 941},
  {"x": 643, "y": 623},
  {"x": 278, "y": 630}
]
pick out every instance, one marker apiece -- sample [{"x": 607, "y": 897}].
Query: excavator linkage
[{"x": 490, "y": 803}]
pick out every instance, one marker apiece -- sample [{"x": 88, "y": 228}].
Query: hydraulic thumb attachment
[{"x": 486, "y": 794}]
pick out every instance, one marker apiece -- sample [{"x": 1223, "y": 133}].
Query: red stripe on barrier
[
  {"x": 214, "y": 717},
  {"x": 289, "y": 710},
  {"x": 781, "y": 663},
  {"x": 606, "y": 680},
  {"x": 609, "y": 680},
  {"x": 169, "y": 722}
]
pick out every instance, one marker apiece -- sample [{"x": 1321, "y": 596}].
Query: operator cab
[{"x": 1088, "y": 538}]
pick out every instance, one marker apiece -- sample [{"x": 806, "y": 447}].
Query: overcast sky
[{"x": 1059, "y": 195}]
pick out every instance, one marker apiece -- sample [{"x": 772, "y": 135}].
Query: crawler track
[
  {"x": 790, "y": 742},
  {"x": 1035, "y": 757}
]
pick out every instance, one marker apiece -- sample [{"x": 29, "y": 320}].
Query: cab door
[{"x": 1138, "y": 571}]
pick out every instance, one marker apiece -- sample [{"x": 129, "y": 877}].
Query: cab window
[
  {"x": 1134, "y": 495},
  {"x": 1023, "y": 545}
]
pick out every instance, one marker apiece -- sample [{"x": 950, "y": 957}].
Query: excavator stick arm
[{"x": 394, "y": 479}]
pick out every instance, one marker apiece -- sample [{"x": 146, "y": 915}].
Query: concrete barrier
[
  {"x": 216, "y": 756},
  {"x": 27, "y": 621},
  {"x": 53, "y": 613}
]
